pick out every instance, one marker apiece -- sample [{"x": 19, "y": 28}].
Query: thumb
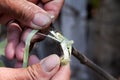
[
  {"x": 26, "y": 12},
  {"x": 42, "y": 71},
  {"x": 46, "y": 69}
]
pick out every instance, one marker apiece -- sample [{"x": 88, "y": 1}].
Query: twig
[{"x": 84, "y": 60}]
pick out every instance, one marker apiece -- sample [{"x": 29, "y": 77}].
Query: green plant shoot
[{"x": 27, "y": 44}]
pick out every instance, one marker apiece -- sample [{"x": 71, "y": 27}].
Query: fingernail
[
  {"x": 40, "y": 20},
  {"x": 49, "y": 63}
]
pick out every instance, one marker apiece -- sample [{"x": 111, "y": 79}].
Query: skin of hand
[
  {"x": 47, "y": 69},
  {"x": 21, "y": 16},
  {"x": 29, "y": 15}
]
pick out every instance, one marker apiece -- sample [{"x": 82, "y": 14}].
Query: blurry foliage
[
  {"x": 3, "y": 40},
  {"x": 1, "y": 64},
  {"x": 2, "y": 46},
  {"x": 95, "y": 3},
  {"x": 92, "y": 8}
]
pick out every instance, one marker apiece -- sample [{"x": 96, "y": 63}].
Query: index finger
[
  {"x": 53, "y": 7},
  {"x": 33, "y": 1}
]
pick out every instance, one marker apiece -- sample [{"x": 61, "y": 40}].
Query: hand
[
  {"x": 28, "y": 14},
  {"x": 48, "y": 69}
]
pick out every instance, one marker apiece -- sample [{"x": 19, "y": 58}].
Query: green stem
[{"x": 27, "y": 44}]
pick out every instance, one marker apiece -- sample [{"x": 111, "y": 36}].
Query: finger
[
  {"x": 20, "y": 49},
  {"x": 45, "y": 1},
  {"x": 34, "y": 72},
  {"x": 18, "y": 64},
  {"x": 53, "y": 7},
  {"x": 4, "y": 19},
  {"x": 33, "y": 1},
  {"x": 19, "y": 52},
  {"x": 50, "y": 62},
  {"x": 63, "y": 73},
  {"x": 26, "y": 12},
  {"x": 46, "y": 68},
  {"x": 13, "y": 39},
  {"x": 21, "y": 46},
  {"x": 33, "y": 60},
  {"x": 13, "y": 74}
]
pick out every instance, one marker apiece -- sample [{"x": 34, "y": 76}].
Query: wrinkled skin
[
  {"x": 41, "y": 71},
  {"x": 20, "y": 17},
  {"x": 27, "y": 15}
]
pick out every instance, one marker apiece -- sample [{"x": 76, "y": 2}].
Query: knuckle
[
  {"x": 36, "y": 73},
  {"x": 25, "y": 12}
]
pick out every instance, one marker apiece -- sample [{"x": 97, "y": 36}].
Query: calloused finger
[
  {"x": 13, "y": 39},
  {"x": 26, "y": 13}
]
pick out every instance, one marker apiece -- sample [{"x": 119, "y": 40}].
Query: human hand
[
  {"x": 32, "y": 13},
  {"x": 29, "y": 14},
  {"x": 48, "y": 69}
]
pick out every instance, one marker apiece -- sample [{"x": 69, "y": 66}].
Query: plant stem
[
  {"x": 27, "y": 44},
  {"x": 84, "y": 60}
]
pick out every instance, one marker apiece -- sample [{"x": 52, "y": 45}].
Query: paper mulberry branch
[{"x": 87, "y": 62}]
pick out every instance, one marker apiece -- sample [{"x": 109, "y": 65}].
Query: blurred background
[{"x": 94, "y": 25}]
